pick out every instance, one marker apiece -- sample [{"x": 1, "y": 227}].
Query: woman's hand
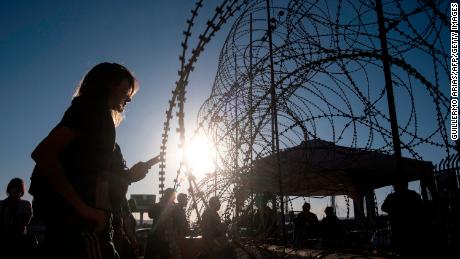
[
  {"x": 138, "y": 171},
  {"x": 153, "y": 161}
]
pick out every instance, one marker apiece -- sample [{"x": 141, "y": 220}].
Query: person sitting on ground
[
  {"x": 15, "y": 215},
  {"x": 330, "y": 227},
  {"x": 264, "y": 221},
  {"x": 306, "y": 223}
]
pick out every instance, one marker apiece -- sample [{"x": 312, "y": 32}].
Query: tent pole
[
  {"x": 400, "y": 175},
  {"x": 274, "y": 113}
]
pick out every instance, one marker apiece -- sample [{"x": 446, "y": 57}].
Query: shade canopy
[{"x": 321, "y": 168}]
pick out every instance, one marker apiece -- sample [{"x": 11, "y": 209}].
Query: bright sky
[{"x": 46, "y": 47}]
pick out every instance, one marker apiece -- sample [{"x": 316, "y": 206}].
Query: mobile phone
[{"x": 153, "y": 160}]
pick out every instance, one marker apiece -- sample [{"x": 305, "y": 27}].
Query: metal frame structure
[{"x": 345, "y": 71}]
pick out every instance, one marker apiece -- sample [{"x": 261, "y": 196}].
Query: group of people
[
  {"x": 80, "y": 180},
  {"x": 170, "y": 228},
  {"x": 165, "y": 240},
  {"x": 306, "y": 225},
  {"x": 20, "y": 235}
]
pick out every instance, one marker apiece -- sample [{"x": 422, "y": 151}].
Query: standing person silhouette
[
  {"x": 405, "y": 214},
  {"x": 70, "y": 182},
  {"x": 213, "y": 231},
  {"x": 162, "y": 241},
  {"x": 15, "y": 214},
  {"x": 181, "y": 211}
]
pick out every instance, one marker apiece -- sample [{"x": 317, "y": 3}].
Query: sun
[{"x": 200, "y": 155}]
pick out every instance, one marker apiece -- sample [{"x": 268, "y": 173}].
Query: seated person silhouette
[
  {"x": 264, "y": 221},
  {"x": 305, "y": 224},
  {"x": 330, "y": 227}
]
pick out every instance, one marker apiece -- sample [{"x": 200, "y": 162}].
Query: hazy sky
[{"x": 46, "y": 47}]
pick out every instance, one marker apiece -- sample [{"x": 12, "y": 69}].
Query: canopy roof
[{"x": 321, "y": 168}]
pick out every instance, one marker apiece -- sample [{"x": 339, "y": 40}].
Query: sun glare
[{"x": 200, "y": 155}]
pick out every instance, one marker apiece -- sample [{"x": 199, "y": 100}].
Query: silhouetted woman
[
  {"x": 71, "y": 180},
  {"x": 15, "y": 214}
]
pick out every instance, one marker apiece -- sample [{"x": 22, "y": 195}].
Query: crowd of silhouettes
[
  {"x": 80, "y": 181},
  {"x": 170, "y": 225}
]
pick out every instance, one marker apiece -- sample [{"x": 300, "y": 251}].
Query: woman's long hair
[
  {"x": 17, "y": 183},
  {"x": 99, "y": 82}
]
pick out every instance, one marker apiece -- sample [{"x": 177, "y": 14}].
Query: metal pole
[
  {"x": 195, "y": 204},
  {"x": 235, "y": 161},
  {"x": 251, "y": 110},
  {"x": 215, "y": 163},
  {"x": 275, "y": 139},
  {"x": 237, "y": 201},
  {"x": 389, "y": 88},
  {"x": 333, "y": 202}
]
